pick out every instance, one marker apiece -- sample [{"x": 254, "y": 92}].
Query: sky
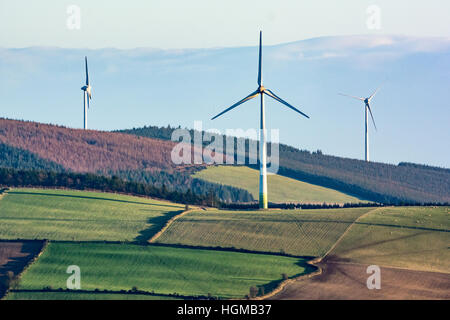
[
  {"x": 136, "y": 87},
  {"x": 209, "y": 23}
]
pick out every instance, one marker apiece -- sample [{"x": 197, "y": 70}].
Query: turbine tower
[
  {"x": 366, "y": 108},
  {"x": 263, "y": 200},
  {"x": 87, "y": 95}
]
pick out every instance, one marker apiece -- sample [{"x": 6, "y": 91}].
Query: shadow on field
[
  {"x": 269, "y": 287},
  {"x": 89, "y": 198},
  {"x": 375, "y": 243},
  {"x": 155, "y": 225},
  {"x": 18, "y": 254}
]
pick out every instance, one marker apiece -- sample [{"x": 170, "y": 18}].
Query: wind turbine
[
  {"x": 87, "y": 95},
  {"x": 366, "y": 108},
  {"x": 263, "y": 200}
]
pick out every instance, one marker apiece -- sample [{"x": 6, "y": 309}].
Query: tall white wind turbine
[
  {"x": 367, "y": 102},
  {"x": 87, "y": 95},
  {"x": 263, "y": 200}
]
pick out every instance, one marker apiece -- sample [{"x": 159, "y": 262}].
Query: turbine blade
[
  {"x": 87, "y": 74},
  {"x": 375, "y": 92},
  {"x": 249, "y": 97},
  {"x": 260, "y": 60},
  {"x": 277, "y": 98},
  {"x": 346, "y": 95},
  {"x": 373, "y": 120},
  {"x": 88, "y": 98}
]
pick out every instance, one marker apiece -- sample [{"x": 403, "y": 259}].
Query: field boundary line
[
  {"x": 112, "y": 292},
  {"x": 286, "y": 282},
  {"x": 28, "y": 265},
  {"x": 319, "y": 259},
  {"x": 169, "y": 223},
  {"x": 385, "y": 266},
  {"x": 96, "y": 191},
  {"x": 313, "y": 263}
]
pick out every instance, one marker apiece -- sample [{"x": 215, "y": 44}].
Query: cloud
[{"x": 359, "y": 45}]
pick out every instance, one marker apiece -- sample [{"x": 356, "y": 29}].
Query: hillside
[
  {"x": 86, "y": 151},
  {"x": 374, "y": 181},
  {"x": 144, "y": 155},
  {"x": 80, "y": 215},
  {"x": 281, "y": 189},
  {"x": 22, "y": 159},
  {"x": 31, "y": 145}
]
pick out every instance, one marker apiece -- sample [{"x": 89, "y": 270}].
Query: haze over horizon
[
  {"x": 209, "y": 24},
  {"x": 136, "y": 87}
]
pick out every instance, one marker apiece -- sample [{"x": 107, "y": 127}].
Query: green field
[
  {"x": 164, "y": 270},
  {"x": 296, "y": 232},
  {"x": 78, "y": 215},
  {"x": 415, "y": 238},
  {"x": 280, "y": 188},
  {"x": 24, "y": 295}
]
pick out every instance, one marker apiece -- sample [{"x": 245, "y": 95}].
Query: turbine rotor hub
[{"x": 261, "y": 89}]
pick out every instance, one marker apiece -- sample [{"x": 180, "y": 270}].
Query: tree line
[
  {"x": 87, "y": 181},
  {"x": 180, "y": 181}
]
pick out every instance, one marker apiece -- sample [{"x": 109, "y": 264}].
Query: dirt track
[
  {"x": 15, "y": 255},
  {"x": 347, "y": 281}
]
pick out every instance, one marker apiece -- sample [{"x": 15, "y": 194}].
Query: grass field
[
  {"x": 24, "y": 295},
  {"x": 163, "y": 269},
  {"x": 280, "y": 189},
  {"x": 415, "y": 238},
  {"x": 78, "y": 215},
  {"x": 296, "y": 232}
]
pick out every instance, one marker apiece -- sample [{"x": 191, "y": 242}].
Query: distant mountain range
[{"x": 137, "y": 87}]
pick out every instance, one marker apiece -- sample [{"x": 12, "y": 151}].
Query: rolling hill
[
  {"x": 295, "y": 232},
  {"x": 30, "y": 145},
  {"x": 373, "y": 181},
  {"x": 281, "y": 189},
  {"x": 79, "y": 215},
  {"x": 144, "y": 155},
  {"x": 87, "y": 151},
  {"x": 102, "y": 230}
]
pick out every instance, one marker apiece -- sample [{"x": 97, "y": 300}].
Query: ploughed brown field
[
  {"x": 15, "y": 255},
  {"x": 347, "y": 281}
]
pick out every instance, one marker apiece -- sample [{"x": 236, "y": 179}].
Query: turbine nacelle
[
  {"x": 367, "y": 108},
  {"x": 260, "y": 90},
  {"x": 366, "y": 103}
]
